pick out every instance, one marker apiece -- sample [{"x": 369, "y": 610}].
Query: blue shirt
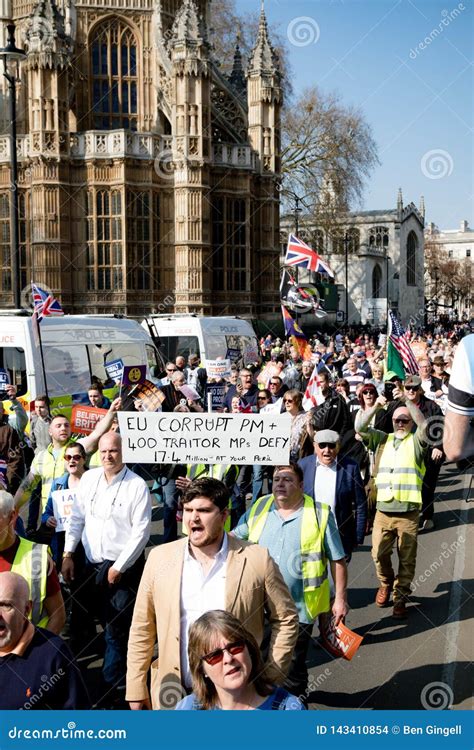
[
  {"x": 279, "y": 700},
  {"x": 282, "y": 538}
]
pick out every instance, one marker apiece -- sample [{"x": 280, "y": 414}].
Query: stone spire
[
  {"x": 422, "y": 206},
  {"x": 399, "y": 203},
  {"x": 187, "y": 26},
  {"x": 237, "y": 77},
  {"x": 46, "y": 39},
  {"x": 263, "y": 58}
]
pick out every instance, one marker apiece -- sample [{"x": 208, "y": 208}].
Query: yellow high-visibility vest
[
  {"x": 399, "y": 477},
  {"x": 215, "y": 471},
  {"x": 31, "y": 562},
  {"x": 314, "y": 567}
]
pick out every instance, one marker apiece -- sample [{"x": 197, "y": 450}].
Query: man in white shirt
[
  {"x": 207, "y": 570},
  {"x": 112, "y": 518},
  {"x": 459, "y": 424}
]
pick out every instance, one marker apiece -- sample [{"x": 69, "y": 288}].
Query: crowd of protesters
[{"x": 220, "y": 592}]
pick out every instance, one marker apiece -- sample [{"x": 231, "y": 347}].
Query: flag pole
[{"x": 36, "y": 325}]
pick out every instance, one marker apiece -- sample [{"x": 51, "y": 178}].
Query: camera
[{"x": 388, "y": 391}]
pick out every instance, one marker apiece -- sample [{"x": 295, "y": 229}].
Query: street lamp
[
  {"x": 387, "y": 286},
  {"x": 12, "y": 56},
  {"x": 346, "y": 270}
]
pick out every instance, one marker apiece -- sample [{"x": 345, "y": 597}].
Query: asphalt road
[{"x": 423, "y": 662}]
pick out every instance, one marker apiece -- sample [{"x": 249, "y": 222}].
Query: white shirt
[
  {"x": 200, "y": 593},
  {"x": 325, "y": 484},
  {"x": 113, "y": 520}
]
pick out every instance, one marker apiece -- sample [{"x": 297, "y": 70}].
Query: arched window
[
  {"x": 412, "y": 245},
  {"x": 378, "y": 237},
  {"x": 114, "y": 77},
  {"x": 376, "y": 282}
]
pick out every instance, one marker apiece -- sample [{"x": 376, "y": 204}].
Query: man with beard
[
  {"x": 207, "y": 570},
  {"x": 399, "y": 481}
]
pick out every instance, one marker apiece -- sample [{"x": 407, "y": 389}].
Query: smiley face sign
[{"x": 134, "y": 374}]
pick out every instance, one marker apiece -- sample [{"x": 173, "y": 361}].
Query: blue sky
[{"x": 418, "y": 101}]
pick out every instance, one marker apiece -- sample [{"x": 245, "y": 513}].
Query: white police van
[
  {"x": 210, "y": 338},
  {"x": 76, "y": 348}
]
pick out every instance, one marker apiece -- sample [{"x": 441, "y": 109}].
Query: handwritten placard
[
  {"x": 63, "y": 502},
  {"x": 205, "y": 438}
]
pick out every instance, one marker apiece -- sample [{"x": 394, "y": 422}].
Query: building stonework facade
[{"x": 148, "y": 181}]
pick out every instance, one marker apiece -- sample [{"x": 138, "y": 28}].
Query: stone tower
[{"x": 148, "y": 180}]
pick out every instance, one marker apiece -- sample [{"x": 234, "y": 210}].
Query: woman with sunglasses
[
  {"x": 75, "y": 466},
  {"x": 227, "y": 669},
  {"x": 293, "y": 403},
  {"x": 264, "y": 401}
]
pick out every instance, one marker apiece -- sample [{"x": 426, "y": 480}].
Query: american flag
[
  {"x": 399, "y": 339},
  {"x": 44, "y": 303},
  {"x": 298, "y": 253}
]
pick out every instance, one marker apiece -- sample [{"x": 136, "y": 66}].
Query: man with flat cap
[
  {"x": 338, "y": 483},
  {"x": 399, "y": 481}
]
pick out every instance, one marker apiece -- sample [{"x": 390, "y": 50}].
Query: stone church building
[
  {"x": 385, "y": 261},
  {"x": 147, "y": 179}
]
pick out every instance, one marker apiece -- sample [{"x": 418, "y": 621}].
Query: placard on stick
[{"x": 205, "y": 438}]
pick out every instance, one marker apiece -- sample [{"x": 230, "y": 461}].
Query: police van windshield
[
  {"x": 173, "y": 346},
  {"x": 12, "y": 370}
]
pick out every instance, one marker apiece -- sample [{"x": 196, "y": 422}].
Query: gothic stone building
[
  {"x": 147, "y": 179},
  {"x": 385, "y": 249}
]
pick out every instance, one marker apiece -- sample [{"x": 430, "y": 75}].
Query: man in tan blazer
[{"x": 183, "y": 579}]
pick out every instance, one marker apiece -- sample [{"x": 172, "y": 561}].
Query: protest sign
[
  {"x": 268, "y": 372},
  {"x": 217, "y": 392},
  {"x": 189, "y": 392},
  {"x": 233, "y": 354},
  {"x": 85, "y": 418},
  {"x": 114, "y": 369},
  {"x": 205, "y": 438},
  {"x": 63, "y": 501},
  {"x": 134, "y": 375},
  {"x": 4, "y": 379},
  {"x": 146, "y": 394},
  {"x": 218, "y": 368},
  {"x": 251, "y": 355},
  {"x": 339, "y": 640}
]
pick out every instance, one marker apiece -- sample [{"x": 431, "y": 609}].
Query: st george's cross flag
[{"x": 298, "y": 253}]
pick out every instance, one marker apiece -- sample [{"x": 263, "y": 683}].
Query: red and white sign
[{"x": 85, "y": 418}]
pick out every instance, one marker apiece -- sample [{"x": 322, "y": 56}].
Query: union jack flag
[
  {"x": 298, "y": 253},
  {"x": 399, "y": 339},
  {"x": 44, "y": 303}
]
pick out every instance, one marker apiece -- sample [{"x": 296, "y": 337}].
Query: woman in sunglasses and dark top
[
  {"x": 75, "y": 466},
  {"x": 227, "y": 669},
  {"x": 293, "y": 403}
]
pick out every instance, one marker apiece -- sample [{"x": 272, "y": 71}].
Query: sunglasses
[
  {"x": 216, "y": 656},
  {"x": 402, "y": 420},
  {"x": 262, "y": 398},
  {"x": 369, "y": 393},
  {"x": 287, "y": 400},
  {"x": 411, "y": 387},
  {"x": 69, "y": 457},
  {"x": 274, "y": 383},
  {"x": 327, "y": 445},
  {"x": 168, "y": 369}
]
